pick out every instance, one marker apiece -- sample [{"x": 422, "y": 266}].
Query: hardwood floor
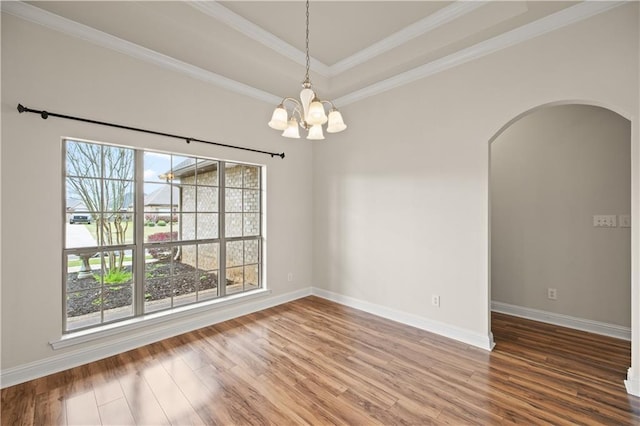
[{"x": 312, "y": 361}]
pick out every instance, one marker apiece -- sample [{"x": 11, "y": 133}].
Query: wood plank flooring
[{"x": 315, "y": 362}]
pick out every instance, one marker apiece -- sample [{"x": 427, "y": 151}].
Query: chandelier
[{"x": 308, "y": 112}]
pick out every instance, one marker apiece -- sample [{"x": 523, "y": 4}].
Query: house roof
[
  {"x": 162, "y": 196},
  {"x": 188, "y": 167}
]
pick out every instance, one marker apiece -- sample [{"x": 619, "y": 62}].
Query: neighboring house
[
  {"x": 74, "y": 205},
  {"x": 161, "y": 202}
]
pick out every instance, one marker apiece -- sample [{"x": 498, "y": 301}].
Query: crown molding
[
  {"x": 253, "y": 31},
  {"x": 529, "y": 31},
  {"x": 58, "y": 23},
  {"x": 423, "y": 26},
  {"x": 521, "y": 34}
]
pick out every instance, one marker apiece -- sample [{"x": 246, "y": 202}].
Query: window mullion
[
  {"x": 222, "y": 271},
  {"x": 138, "y": 214}
]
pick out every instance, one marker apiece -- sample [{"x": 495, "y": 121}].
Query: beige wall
[
  {"x": 401, "y": 206},
  {"x": 551, "y": 171},
  {"x": 45, "y": 69}
]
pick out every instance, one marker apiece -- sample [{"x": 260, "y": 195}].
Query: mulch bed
[{"x": 85, "y": 295}]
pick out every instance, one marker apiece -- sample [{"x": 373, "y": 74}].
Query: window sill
[{"x": 80, "y": 337}]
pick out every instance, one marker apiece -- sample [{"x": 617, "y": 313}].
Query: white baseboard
[
  {"x": 143, "y": 336},
  {"x": 611, "y": 330},
  {"x": 465, "y": 336},
  {"x": 632, "y": 383}
]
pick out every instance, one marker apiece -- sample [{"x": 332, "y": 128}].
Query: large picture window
[{"x": 148, "y": 231}]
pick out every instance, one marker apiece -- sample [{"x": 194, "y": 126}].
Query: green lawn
[{"x": 148, "y": 230}]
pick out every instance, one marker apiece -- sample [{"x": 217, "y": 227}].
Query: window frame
[{"x": 139, "y": 245}]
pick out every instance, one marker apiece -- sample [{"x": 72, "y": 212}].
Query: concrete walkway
[{"x": 79, "y": 236}]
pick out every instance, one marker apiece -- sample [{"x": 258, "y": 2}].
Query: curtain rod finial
[{"x": 21, "y": 108}]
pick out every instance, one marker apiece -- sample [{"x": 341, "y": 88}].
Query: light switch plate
[{"x": 604, "y": 220}]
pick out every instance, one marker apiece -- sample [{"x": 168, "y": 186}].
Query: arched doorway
[{"x": 546, "y": 256}]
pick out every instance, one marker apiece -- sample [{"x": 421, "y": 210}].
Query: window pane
[
  {"x": 251, "y": 224},
  {"x": 157, "y": 294},
  {"x": 251, "y": 200},
  {"x": 235, "y": 278},
  {"x": 117, "y": 195},
  {"x": 118, "y": 162},
  {"x": 82, "y": 309},
  {"x": 157, "y": 167},
  {"x": 116, "y": 228},
  {"x": 81, "y": 234},
  {"x": 208, "y": 256},
  {"x": 83, "y": 159},
  {"x": 233, "y": 200},
  {"x": 251, "y": 278},
  {"x": 160, "y": 201},
  {"x": 251, "y": 253},
  {"x": 183, "y": 170},
  {"x": 235, "y": 253},
  {"x": 208, "y": 285},
  {"x": 233, "y": 175},
  {"x": 118, "y": 301},
  {"x": 207, "y": 225},
  {"x": 188, "y": 199},
  {"x": 83, "y": 195},
  {"x": 251, "y": 177},
  {"x": 186, "y": 226},
  {"x": 80, "y": 272},
  {"x": 207, "y": 199},
  {"x": 207, "y": 172},
  {"x": 185, "y": 277},
  {"x": 160, "y": 252},
  {"x": 233, "y": 225}
]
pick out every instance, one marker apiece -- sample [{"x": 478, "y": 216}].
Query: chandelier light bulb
[
  {"x": 335, "y": 122},
  {"x": 316, "y": 113},
  {"x": 292, "y": 131},
  {"x": 279, "y": 118},
  {"x": 315, "y": 133}
]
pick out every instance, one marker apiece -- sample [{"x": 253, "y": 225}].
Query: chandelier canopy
[{"x": 308, "y": 112}]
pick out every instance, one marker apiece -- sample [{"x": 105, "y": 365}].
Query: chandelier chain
[{"x": 306, "y": 77}]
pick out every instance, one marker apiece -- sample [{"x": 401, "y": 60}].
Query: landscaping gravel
[{"x": 86, "y": 295}]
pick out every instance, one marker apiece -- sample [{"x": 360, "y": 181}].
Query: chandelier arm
[{"x": 333, "y": 107}]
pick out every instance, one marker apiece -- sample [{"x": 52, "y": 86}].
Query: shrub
[
  {"x": 161, "y": 223},
  {"x": 162, "y": 252},
  {"x": 116, "y": 276},
  {"x": 150, "y": 224}
]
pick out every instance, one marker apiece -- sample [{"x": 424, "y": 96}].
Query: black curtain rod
[{"x": 46, "y": 114}]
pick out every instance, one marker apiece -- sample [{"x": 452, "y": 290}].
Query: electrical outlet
[
  {"x": 552, "y": 294},
  {"x": 435, "y": 300},
  {"x": 290, "y": 276}
]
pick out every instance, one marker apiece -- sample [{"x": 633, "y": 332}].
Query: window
[{"x": 148, "y": 231}]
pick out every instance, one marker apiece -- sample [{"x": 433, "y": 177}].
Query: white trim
[
  {"x": 597, "y": 327},
  {"x": 408, "y": 33},
  {"x": 100, "y": 38},
  {"x": 475, "y": 339},
  {"x": 131, "y": 339},
  {"x": 253, "y": 31},
  {"x": 168, "y": 316},
  {"x": 632, "y": 383},
  {"x": 521, "y": 34}
]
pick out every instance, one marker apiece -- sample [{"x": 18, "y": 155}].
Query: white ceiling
[{"x": 257, "y": 47}]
